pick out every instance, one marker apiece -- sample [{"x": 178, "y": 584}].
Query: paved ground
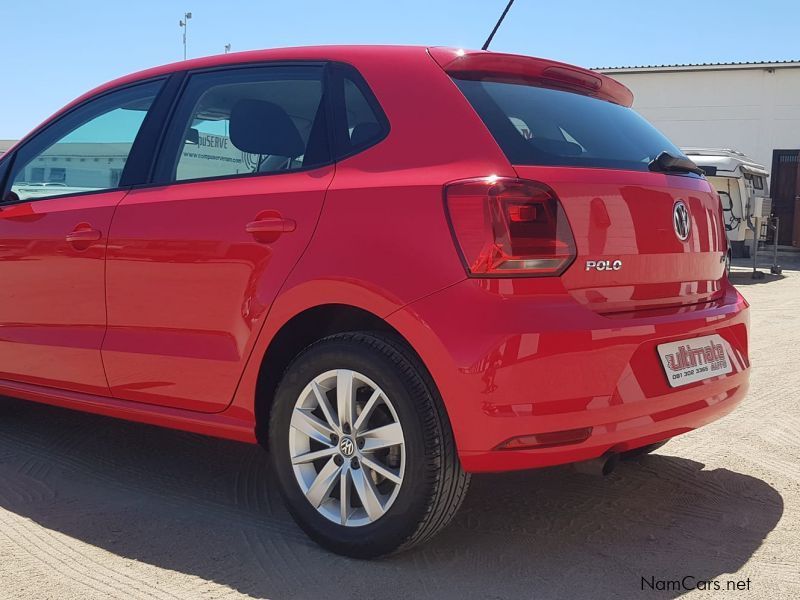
[{"x": 94, "y": 508}]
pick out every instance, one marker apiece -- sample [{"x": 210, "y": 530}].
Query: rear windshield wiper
[{"x": 666, "y": 163}]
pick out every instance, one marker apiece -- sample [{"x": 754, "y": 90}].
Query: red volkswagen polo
[{"x": 392, "y": 266}]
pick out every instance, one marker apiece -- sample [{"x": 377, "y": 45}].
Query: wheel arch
[{"x": 300, "y": 331}]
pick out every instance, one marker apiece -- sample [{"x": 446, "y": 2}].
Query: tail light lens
[{"x": 507, "y": 227}]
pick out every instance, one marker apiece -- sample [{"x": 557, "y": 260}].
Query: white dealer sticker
[{"x": 693, "y": 360}]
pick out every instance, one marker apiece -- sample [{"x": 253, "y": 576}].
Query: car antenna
[{"x": 496, "y": 27}]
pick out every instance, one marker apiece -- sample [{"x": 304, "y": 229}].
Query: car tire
[
  {"x": 395, "y": 466},
  {"x": 642, "y": 451}
]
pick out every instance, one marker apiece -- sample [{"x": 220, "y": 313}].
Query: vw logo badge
[
  {"x": 680, "y": 220},
  {"x": 347, "y": 447}
]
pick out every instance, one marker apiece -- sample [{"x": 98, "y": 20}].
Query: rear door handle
[
  {"x": 274, "y": 225},
  {"x": 84, "y": 234}
]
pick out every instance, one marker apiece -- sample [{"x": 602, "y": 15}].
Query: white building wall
[{"x": 753, "y": 110}]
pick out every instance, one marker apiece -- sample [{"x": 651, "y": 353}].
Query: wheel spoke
[
  {"x": 345, "y": 401},
  {"x": 304, "y": 421},
  {"x": 323, "y": 483},
  {"x": 380, "y": 469},
  {"x": 382, "y": 437},
  {"x": 364, "y": 416},
  {"x": 324, "y": 405},
  {"x": 312, "y": 456},
  {"x": 367, "y": 494},
  {"x": 344, "y": 496}
]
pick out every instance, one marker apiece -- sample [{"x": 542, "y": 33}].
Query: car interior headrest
[{"x": 262, "y": 127}]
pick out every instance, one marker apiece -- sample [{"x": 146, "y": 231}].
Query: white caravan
[{"x": 743, "y": 186}]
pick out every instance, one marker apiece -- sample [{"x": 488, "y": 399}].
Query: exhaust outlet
[{"x": 599, "y": 467}]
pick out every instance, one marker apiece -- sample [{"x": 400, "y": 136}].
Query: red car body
[{"x": 171, "y": 314}]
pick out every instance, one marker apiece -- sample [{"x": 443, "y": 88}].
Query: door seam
[{"x": 105, "y": 290}]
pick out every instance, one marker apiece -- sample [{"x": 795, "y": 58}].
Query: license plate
[{"x": 688, "y": 361}]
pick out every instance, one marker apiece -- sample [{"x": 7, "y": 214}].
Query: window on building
[
  {"x": 57, "y": 175},
  {"x": 116, "y": 175}
]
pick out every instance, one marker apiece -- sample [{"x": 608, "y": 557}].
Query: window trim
[
  {"x": 157, "y": 176},
  {"x": 9, "y": 170}
]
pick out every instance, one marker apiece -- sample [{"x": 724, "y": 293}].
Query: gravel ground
[{"x": 96, "y": 508}]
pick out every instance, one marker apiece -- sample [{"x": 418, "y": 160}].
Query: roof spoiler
[{"x": 514, "y": 68}]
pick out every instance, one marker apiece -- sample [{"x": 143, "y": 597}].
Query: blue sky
[{"x": 52, "y": 51}]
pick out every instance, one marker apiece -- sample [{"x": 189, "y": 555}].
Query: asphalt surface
[{"x": 94, "y": 508}]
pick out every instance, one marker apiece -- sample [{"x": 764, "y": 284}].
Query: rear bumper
[{"x": 514, "y": 358}]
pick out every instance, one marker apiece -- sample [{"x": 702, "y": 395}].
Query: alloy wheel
[{"x": 347, "y": 447}]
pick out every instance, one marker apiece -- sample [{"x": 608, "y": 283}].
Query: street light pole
[{"x": 184, "y": 23}]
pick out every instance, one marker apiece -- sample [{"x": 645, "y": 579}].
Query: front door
[
  {"x": 195, "y": 262},
  {"x": 60, "y": 196}
]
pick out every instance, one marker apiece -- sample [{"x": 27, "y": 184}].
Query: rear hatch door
[{"x": 645, "y": 238}]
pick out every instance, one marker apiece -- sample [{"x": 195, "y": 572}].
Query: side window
[
  {"x": 86, "y": 150},
  {"x": 247, "y": 121},
  {"x": 362, "y": 124}
]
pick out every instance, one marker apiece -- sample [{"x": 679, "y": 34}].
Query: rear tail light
[{"x": 507, "y": 227}]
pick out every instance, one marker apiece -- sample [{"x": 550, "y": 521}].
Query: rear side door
[
  {"x": 196, "y": 259},
  {"x": 62, "y": 188}
]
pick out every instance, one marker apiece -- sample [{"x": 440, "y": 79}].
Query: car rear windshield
[{"x": 541, "y": 126}]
